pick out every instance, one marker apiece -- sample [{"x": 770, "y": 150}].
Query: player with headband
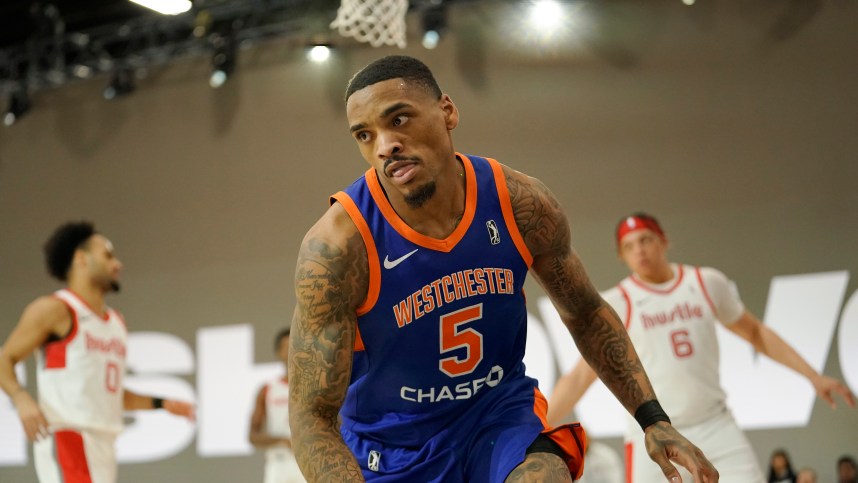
[{"x": 670, "y": 311}]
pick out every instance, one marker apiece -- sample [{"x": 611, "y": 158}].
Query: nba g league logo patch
[{"x": 494, "y": 233}]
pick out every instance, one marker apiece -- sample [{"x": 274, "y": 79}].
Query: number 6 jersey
[
  {"x": 672, "y": 326},
  {"x": 80, "y": 376}
]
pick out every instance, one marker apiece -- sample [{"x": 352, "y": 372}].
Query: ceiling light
[
  {"x": 166, "y": 7},
  {"x": 121, "y": 83},
  {"x": 319, "y": 53},
  {"x": 546, "y": 14}
]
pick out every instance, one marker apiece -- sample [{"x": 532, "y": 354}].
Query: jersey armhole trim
[
  {"x": 508, "y": 213},
  {"x": 371, "y": 252},
  {"x": 55, "y": 351},
  {"x": 705, "y": 292},
  {"x": 628, "y": 300}
]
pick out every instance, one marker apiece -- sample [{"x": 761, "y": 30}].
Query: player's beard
[
  {"x": 421, "y": 195},
  {"x": 114, "y": 286}
]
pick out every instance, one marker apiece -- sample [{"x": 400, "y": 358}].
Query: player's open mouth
[{"x": 403, "y": 173}]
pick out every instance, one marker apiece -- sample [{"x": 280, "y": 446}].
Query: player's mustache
[{"x": 398, "y": 158}]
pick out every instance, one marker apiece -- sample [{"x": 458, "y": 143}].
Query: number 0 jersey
[
  {"x": 672, "y": 326},
  {"x": 443, "y": 326},
  {"x": 80, "y": 376}
]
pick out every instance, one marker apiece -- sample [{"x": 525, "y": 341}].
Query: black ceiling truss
[{"x": 52, "y": 55}]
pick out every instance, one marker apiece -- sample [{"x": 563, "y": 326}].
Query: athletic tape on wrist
[{"x": 650, "y": 413}]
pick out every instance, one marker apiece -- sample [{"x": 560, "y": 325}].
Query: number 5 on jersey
[{"x": 454, "y": 337}]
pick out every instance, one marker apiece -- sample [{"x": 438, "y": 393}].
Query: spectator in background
[
  {"x": 806, "y": 475},
  {"x": 780, "y": 468},
  {"x": 847, "y": 470}
]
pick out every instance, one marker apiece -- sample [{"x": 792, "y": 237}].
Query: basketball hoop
[{"x": 378, "y": 22}]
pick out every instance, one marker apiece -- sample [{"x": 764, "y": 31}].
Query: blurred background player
[
  {"x": 80, "y": 346},
  {"x": 670, "y": 311},
  {"x": 269, "y": 423},
  {"x": 603, "y": 464}
]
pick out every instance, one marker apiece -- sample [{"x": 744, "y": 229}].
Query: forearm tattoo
[
  {"x": 596, "y": 328},
  {"x": 328, "y": 282}
]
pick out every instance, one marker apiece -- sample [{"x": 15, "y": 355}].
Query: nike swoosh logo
[{"x": 388, "y": 264}]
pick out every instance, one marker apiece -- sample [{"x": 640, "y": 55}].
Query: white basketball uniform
[
  {"x": 602, "y": 464},
  {"x": 672, "y": 326},
  {"x": 280, "y": 463},
  {"x": 80, "y": 393}
]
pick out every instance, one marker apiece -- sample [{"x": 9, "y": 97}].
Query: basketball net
[{"x": 379, "y": 22}]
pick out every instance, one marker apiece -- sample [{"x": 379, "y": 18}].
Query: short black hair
[
  {"x": 280, "y": 336},
  {"x": 60, "y": 247},
  {"x": 846, "y": 459},
  {"x": 394, "y": 67}
]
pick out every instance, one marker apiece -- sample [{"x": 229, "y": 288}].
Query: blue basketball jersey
[{"x": 442, "y": 330}]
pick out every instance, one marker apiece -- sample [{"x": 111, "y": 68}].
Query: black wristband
[
  {"x": 157, "y": 403},
  {"x": 650, "y": 413}
]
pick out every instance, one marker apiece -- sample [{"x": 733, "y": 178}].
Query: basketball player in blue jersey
[{"x": 408, "y": 336}]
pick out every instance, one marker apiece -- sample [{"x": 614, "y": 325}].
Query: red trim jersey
[
  {"x": 277, "y": 408},
  {"x": 80, "y": 376},
  {"x": 672, "y": 326}
]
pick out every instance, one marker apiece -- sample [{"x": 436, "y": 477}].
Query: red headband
[{"x": 635, "y": 223}]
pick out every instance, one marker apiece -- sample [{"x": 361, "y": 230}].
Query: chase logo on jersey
[
  {"x": 373, "y": 461},
  {"x": 464, "y": 390},
  {"x": 494, "y": 233}
]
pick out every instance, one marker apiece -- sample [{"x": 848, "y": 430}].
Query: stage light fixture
[
  {"x": 121, "y": 83},
  {"x": 19, "y": 104},
  {"x": 223, "y": 59},
  {"x": 434, "y": 25}
]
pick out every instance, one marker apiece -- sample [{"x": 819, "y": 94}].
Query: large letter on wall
[
  {"x": 13, "y": 441},
  {"x": 803, "y": 310},
  {"x": 598, "y": 411},
  {"x": 848, "y": 343},
  {"x": 155, "y": 435},
  {"x": 227, "y": 381}
]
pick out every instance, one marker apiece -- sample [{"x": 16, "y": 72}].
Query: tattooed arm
[
  {"x": 595, "y": 327},
  {"x": 331, "y": 280}
]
